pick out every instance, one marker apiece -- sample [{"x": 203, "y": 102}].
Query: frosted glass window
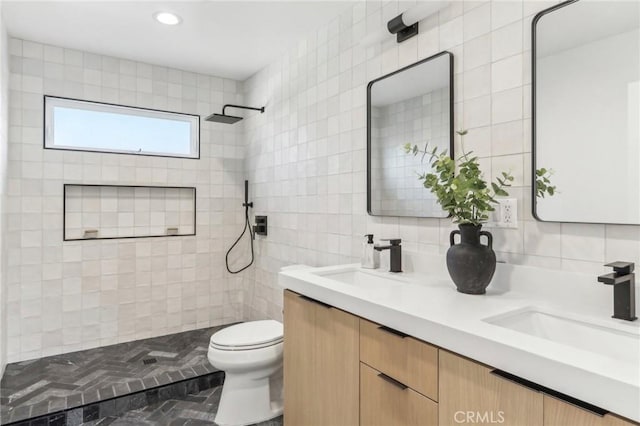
[{"x": 92, "y": 126}]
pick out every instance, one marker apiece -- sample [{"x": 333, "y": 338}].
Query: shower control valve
[{"x": 260, "y": 228}]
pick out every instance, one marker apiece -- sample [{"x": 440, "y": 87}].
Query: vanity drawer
[
  {"x": 405, "y": 359},
  {"x": 384, "y": 402}
]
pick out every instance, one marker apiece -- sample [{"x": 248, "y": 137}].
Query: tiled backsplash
[
  {"x": 66, "y": 296},
  {"x": 126, "y": 211},
  {"x": 307, "y": 152}
]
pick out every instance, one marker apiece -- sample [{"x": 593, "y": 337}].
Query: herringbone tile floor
[
  {"x": 32, "y": 388},
  {"x": 199, "y": 409}
]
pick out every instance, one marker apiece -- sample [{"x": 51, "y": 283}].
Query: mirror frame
[
  {"x": 451, "y": 121},
  {"x": 534, "y": 24}
]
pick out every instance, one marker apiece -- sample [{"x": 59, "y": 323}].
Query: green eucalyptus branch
[
  {"x": 466, "y": 195},
  {"x": 543, "y": 183}
]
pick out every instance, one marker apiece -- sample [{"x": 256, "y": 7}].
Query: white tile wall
[
  {"x": 4, "y": 121},
  {"x": 315, "y": 96},
  {"x": 66, "y": 296}
]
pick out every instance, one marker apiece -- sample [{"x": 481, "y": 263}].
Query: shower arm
[{"x": 241, "y": 107}]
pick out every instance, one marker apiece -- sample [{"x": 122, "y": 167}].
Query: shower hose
[{"x": 247, "y": 226}]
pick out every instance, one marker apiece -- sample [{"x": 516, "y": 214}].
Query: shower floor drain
[{"x": 149, "y": 361}]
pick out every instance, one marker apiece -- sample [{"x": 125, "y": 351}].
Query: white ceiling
[{"x": 231, "y": 39}]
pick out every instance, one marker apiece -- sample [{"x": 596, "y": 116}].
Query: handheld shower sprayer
[
  {"x": 247, "y": 226},
  {"x": 246, "y": 195}
]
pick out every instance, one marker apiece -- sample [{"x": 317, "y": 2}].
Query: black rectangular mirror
[
  {"x": 412, "y": 105},
  {"x": 586, "y": 111}
]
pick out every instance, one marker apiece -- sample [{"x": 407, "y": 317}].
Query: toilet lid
[{"x": 248, "y": 335}]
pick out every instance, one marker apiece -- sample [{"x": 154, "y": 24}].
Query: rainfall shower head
[
  {"x": 224, "y": 119},
  {"x": 230, "y": 119}
]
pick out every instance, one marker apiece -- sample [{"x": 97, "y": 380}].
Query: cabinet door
[
  {"x": 321, "y": 361},
  {"x": 299, "y": 357},
  {"x": 384, "y": 402},
  {"x": 337, "y": 382},
  {"x": 470, "y": 394},
  {"x": 560, "y": 413}
]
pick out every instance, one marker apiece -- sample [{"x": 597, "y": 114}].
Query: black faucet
[
  {"x": 623, "y": 281},
  {"x": 395, "y": 254}
]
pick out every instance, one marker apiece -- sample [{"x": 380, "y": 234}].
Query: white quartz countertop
[{"x": 426, "y": 305}]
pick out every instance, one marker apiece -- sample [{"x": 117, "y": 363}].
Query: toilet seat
[{"x": 248, "y": 336}]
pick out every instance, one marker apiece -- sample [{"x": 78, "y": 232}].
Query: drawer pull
[
  {"x": 393, "y": 381},
  {"x": 392, "y": 331},
  {"x": 317, "y": 302},
  {"x": 517, "y": 380},
  {"x": 539, "y": 388}
]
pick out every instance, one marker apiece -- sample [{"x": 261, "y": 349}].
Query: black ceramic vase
[{"x": 470, "y": 263}]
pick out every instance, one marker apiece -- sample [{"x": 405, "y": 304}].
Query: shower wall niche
[{"x": 119, "y": 211}]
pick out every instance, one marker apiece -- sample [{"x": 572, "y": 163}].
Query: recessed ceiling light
[{"x": 167, "y": 18}]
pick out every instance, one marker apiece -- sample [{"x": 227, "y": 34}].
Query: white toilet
[{"x": 250, "y": 354}]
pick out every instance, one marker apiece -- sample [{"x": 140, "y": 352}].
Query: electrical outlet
[
  {"x": 505, "y": 214},
  {"x": 509, "y": 211}
]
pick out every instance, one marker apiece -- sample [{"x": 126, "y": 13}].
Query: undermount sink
[
  {"x": 359, "y": 278},
  {"x": 621, "y": 343}
]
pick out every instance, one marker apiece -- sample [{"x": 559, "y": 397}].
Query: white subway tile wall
[
  {"x": 316, "y": 115},
  {"x": 67, "y": 296}
]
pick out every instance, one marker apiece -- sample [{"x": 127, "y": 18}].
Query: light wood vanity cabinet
[
  {"x": 469, "y": 391},
  {"x": 398, "y": 378},
  {"x": 470, "y": 394},
  {"x": 342, "y": 370},
  {"x": 408, "y": 360},
  {"x": 560, "y": 413},
  {"x": 385, "y": 402},
  {"x": 321, "y": 367}
]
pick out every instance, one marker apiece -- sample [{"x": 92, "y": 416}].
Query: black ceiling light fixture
[
  {"x": 405, "y": 25},
  {"x": 230, "y": 119}
]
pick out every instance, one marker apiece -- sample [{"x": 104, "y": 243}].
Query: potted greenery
[{"x": 469, "y": 199}]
